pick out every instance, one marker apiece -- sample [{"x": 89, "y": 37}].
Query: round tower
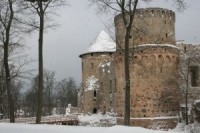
[
  {"x": 99, "y": 51},
  {"x": 150, "y": 26},
  {"x": 153, "y": 69}
]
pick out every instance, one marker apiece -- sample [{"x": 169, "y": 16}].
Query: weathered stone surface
[
  {"x": 153, "y": 68},
  {"x": 150, "y": 26}
]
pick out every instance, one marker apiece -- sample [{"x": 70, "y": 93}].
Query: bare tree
[
  {"x": 67, "y": 92},
  {"x": 6, "y": 23},
  {"x": 188, "y": 69},
  {"x": 48, "y": 93},
  {"x": 49, "y": 86},
  {"x": 41, "y": 8},
  {"x": 30, "y": 98},
  {"x": 127, "y": 9},
  {"x": 10, "y": 38}
]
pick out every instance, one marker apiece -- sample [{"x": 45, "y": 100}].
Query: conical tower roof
[{"x": 102, "y": 43}]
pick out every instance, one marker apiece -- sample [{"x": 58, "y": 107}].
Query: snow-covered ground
[
  {"x": 97, "y": 120},
  {"x": 91, "y": 124},
  {"x": 28, "y": 128}
]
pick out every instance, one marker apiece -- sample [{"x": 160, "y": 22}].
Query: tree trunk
[
  {"x": 127, "y": 79},
  {"x": 186, "y": 108},
  {"x": 186, "y": 99},
  {"x": 128, "y": 25},
  {"x": 49, "y": 99},
  {"x": 6, "y": 65},
  {"x": 40, "y": 77},
  {"x": 8, "y": 84}
]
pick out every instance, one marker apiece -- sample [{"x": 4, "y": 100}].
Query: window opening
[{"x": 194, "y": 76}]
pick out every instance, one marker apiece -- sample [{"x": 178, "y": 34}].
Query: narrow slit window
[
  {"x": 92, "y": 65},
  {"x": 110, "y": 86},
  {"x": 95, "y": 93}
]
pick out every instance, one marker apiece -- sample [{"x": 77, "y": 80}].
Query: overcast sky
[{"x": 79, "y": 26}]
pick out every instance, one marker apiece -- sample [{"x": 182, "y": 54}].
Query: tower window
[
  {"x": 92, "y": 65},
  {"x": 95, "y": 93},
  {"x": 194, "y": 73},
  {"x": 91, "y": 54},
  {"x": 166, "y": 35},
  {"x": 185, "y": 49},
  {"x": 110, "y": 86}
]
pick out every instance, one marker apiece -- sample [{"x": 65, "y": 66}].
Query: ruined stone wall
[
  {"x": 90, "y": 81},
  {"x": 154, "y": 89},
  {"x": 155, "y": 124},
  {"x": 153, "y": 72},
  {"x": 107, "y": 88},
  {"x": 189, "y": 56},
  {"x": 150, "y": 26}
]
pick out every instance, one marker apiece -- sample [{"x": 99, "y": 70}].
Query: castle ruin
[{"x": 154, "y": 71}]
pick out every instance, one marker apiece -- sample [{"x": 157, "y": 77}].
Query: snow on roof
[{"x": 102, "y": 43}]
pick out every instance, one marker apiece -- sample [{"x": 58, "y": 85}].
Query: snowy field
[
  {"x": 28, "y": 128},
  {"x": 91, "y": 124}
]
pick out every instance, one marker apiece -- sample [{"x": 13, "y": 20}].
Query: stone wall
[
  {"x": 150, "y": 26},
  {"x": 107, "y": 89},
  {"x": 154, "y": 88},
  {"x": 88, "y": 96},
  {"x": 152, "y": 123},
  {"x": 153, "y": 72}
]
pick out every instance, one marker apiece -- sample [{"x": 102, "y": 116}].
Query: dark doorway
[{"x": 94, "y": 111}]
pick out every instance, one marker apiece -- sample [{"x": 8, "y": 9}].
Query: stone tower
[
  {"x": 98, "y": 53},
  {"x": 150, "y": 26},
  {"x": 153, "y": 69}
]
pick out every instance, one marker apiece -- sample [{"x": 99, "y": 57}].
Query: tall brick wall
[
  {"x": 150, "y": 26},
  {"x": 154, "y": 86}
]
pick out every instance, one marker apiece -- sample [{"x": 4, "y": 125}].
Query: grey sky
[{"x": 79, "y": 26}]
